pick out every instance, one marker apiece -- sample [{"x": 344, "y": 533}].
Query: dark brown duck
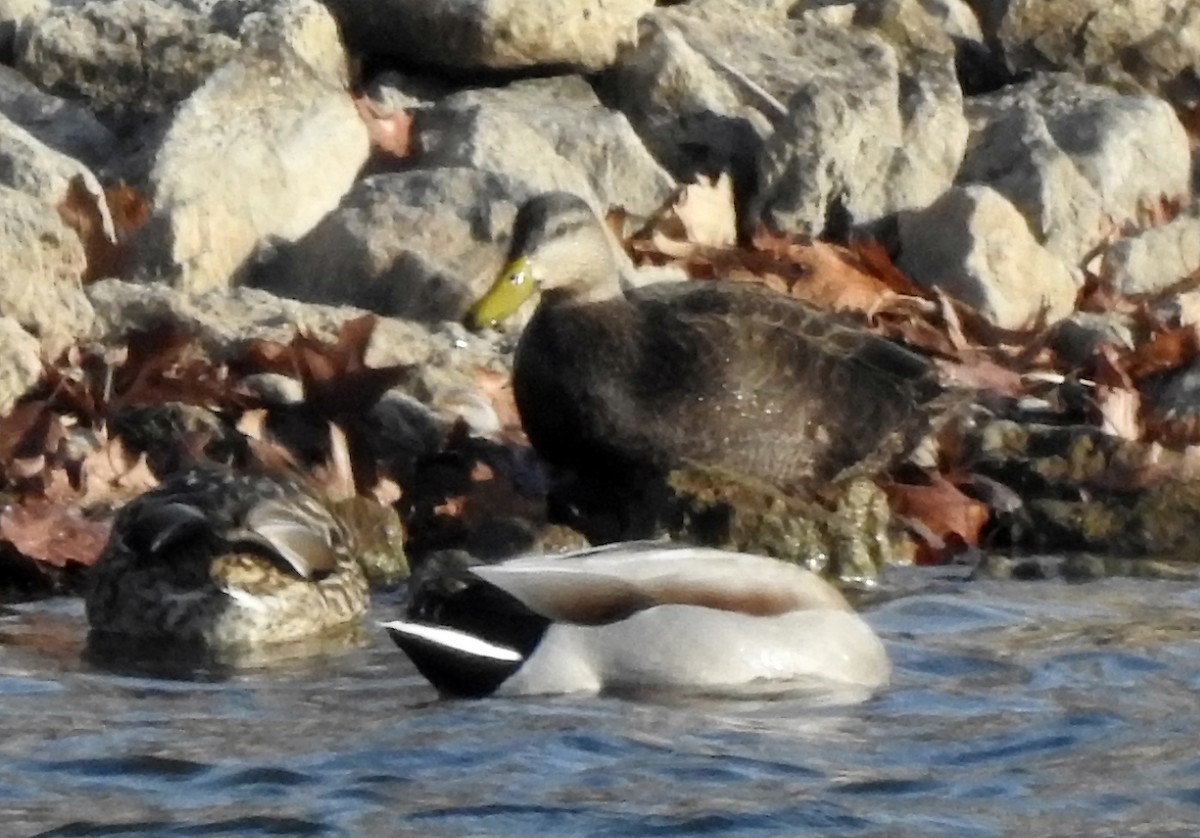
[{"x": 718, "y": 373}]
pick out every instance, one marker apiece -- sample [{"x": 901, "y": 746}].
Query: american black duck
[
  {"x": 723, "y": 374},
  {"x": 210, "y": 561},
  {"x": 632, "y": 615}
]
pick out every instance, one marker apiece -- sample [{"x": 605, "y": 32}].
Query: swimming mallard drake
[
  {"x": 724, "y": 374},
  {"x": 631, "y": 615},
  {"x": 214, "y": 561}
]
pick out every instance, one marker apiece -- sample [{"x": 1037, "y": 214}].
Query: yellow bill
[{"x": 513, "y": 287}]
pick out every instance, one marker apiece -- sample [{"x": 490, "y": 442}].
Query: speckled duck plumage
[
  {"x": 725, "y": 374},
  {"x": 212, "y": 560}
]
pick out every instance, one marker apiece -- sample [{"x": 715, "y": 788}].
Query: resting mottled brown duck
[
  {"x": 723, "y": 374},
  {"x": 214, "y": 562}
]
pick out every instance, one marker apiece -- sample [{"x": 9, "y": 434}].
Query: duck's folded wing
[{"x": 602, "y": 586}]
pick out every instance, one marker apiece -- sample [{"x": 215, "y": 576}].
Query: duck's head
[{"x": 559, "y": 248}]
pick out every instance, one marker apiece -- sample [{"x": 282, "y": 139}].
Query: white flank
[{"x": 458, "y": 640}]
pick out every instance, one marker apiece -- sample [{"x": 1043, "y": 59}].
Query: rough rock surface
[
  {"x": 131, "y": 60},
  {"x": 499, "y": 34},
  {"x": 265, "y": 149},
  {"x": 549, "y": 134},
  {"x": 422, "y": 244},
  {"x": 1151, "y": 43},
  {"x": 1155, "y": 259},
  {"x": 41, "y": 262},
  {"x": 20, "y": 362},
  {"x": 973, "y": 244},
  {"x": 61, "y": 124},
  {"x": 1075, "y": 158}
]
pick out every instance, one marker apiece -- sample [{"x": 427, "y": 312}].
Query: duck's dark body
[{"x": 723, "y": 374}]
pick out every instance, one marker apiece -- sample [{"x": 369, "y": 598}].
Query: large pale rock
[
  {"x": 1076, "y": 158},
  {"x": 129, "y": 59},
  {"x": 20, "y": 362},
  {"x": 263, "y": 150},
  {"x": 1152, "y": 43},
  {"x": 61, "y": 124},
  {"x": 862, "y": 140},
  {"x": 493, "y": 34},
  {"x": 26, "y": 164},
  {"x": 821, "y": 125},
  {"x": 422, "y": 244},
  {"x": 41, "y": 263},
  {"x": 1155, "y": 259},
  {"x": 548, "y": 134},
  {"x": 15, "y": 15},
  {"x": 939, "y": 25},
  {"x": 974, "y": 245}
]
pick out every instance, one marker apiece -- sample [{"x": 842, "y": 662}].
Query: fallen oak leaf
[
  {"x": 953, "y": 518},
  {"x": 53, "y": 533}
]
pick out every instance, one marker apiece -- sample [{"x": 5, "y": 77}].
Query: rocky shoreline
[{"x": 233, "y": 173}]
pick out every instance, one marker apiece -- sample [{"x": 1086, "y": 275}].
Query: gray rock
[
  {"x": 1151, "y": 43},
  {"x": 1155, "y": 259},
  {"x": 442, "y": 358},
  {"x": 1077, "y": 337},
  {"x": 498, "y": 34},
  {"x": 265, "y": 148},
  {"x": 15, "y": 15},
  {"x": 826, "y": 122},
  {"x": 974, "y": 245},
  {"x": 546, "y": 133},
  {"x": 20, "y": 362},
  {"x": 130, "y": 60},
  {"x": 422, "y": 244},
  {"x": 863, "y": 140},
  {"x": 939, "y": 25},
  {"x": 41, "y": 262},
  {"x": 61, "y": 124},
  {"x": 1076, "y": 158},
  {"x": 690, "y": 114},
  {"x": 28, "y": 165}
]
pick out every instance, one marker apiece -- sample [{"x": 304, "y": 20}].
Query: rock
[
  {"x": 1154, "y": 259},
  {"x": 1077, "y": 337},
  {"x": 41, "y": 263},
  {"x": 20, "y": 362},
  {"x": 550, "y": 134},
  {"x": 823, "y": 119},
  {"x": 15, "y": 15},
  {"x": 422, "y": 244},
  {"x": 61, "y": 124},
  {"x": 130, "y": 60},
  {"x": 850, "y": 537},
  {"x": 938, "y": 26},
  {"x": 1075, "y": 158},
  {"x": 688, "y": 112},
  {"x": 974, "y": 245},
  {"x": 223, "y": 320},
  {"x": 28, "y": 165},
  {"x": 462, "y": 35},
  {"x": 1151, "y": 43},
  {"x": 263, "y": 150}
]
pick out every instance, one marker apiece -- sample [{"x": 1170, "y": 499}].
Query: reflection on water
[{"x": 1031, "y": 709}]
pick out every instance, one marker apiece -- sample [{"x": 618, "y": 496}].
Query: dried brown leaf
[
  {"x": 389, "y": 131},
  {"x": 943, "y": 510},
  {"x": 54, "y": 533}
]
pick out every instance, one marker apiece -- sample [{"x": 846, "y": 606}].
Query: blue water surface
[{"x": 1017, "y": 709}]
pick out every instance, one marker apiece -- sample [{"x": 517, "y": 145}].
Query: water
[{"x": 1017, "y": 709}]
